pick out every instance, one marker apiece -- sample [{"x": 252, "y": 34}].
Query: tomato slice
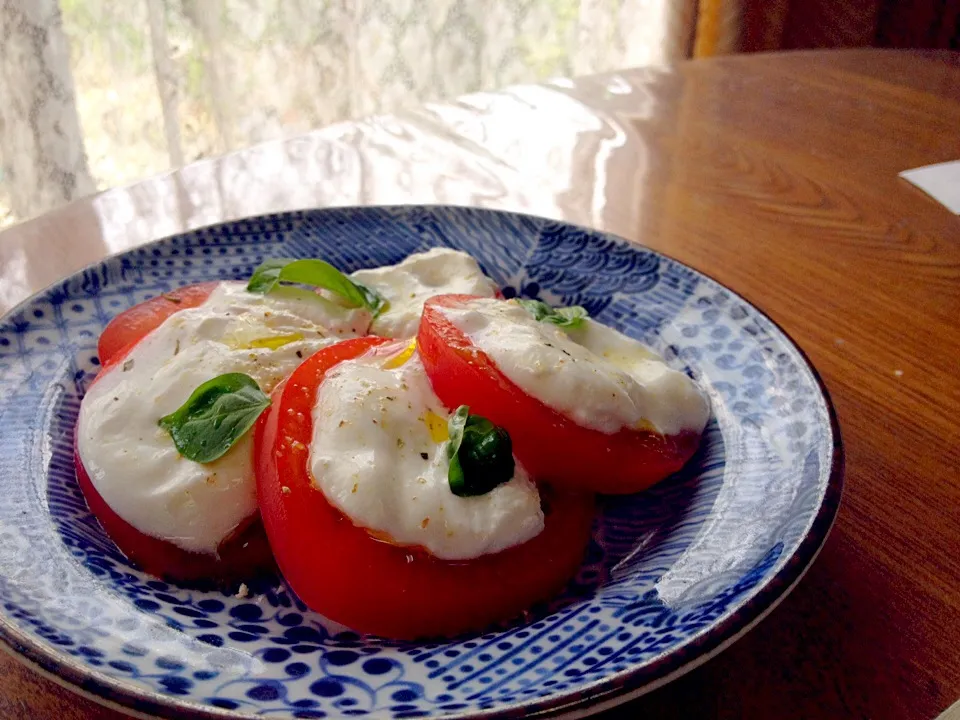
[
  {"x": 341, "y": 571},
  {"x": 246, "y": 553},
  {"x": 129, "y": 327},
  {"x": 551, "y": 446},
  {"x": 243, "y": 555}
]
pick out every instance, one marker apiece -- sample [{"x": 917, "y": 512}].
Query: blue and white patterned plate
[{"x": 671, "y": 575}]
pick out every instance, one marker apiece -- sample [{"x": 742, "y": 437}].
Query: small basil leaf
[
  {"x": 565, "y": 317},
  {"x": 483, "y": 457},
  {"x": 568, "y": 317},
  {"x": 455, "y": 426},
  {"x": 372, "y": 299},
  {"x": 538, "y": 309},
  {"x": 315, "y": 273},
  {"x": 267, "y": 275},
  {"x": 458, "y": 484},
  {"x": 215, "y": 416},
  {"x": 321, "y": 274}
]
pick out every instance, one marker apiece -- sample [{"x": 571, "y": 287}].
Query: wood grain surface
[{"x": 777, "y": 175}]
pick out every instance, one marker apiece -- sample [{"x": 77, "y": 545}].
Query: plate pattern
[{"x": 669, "y": 574}]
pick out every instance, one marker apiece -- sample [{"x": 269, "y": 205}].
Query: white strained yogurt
[
  {"x": 594, "y": 375},
  {"x": 133, "y": 463},
  {"x": 376, "y": 458},
  {"x": 410, "y": 283}
]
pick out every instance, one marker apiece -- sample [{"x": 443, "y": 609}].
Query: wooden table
[{"x": 777, "y": 175}]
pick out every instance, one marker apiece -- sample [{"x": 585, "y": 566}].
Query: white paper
[{"x": 940, "y": 181}]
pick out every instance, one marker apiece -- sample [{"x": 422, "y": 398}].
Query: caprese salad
[{"x": 417, "y": 454}]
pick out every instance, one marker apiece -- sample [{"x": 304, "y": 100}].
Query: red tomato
[
  {"x": 550, "y": 446},
  {"x": 127, "y": 328},
  {"x": 243, "y": 554},
  {"x": 341, "y": 571}
]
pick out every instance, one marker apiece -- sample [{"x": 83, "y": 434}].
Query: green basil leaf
[
  {"x": 565, "y": 317},
  {"x": 315, "y": 273},
  {"x": 372, "y": 299},
  {"x": 538, "y": 309},
  {"x": 318, "y": 273},
  {"x": 568, "y": 317},
  {"x": 215, "y": 416},
  {"x": 481, "y": 454},
  {"x": 458, "y": 484},
  {"x": 267, "y": 275},
  {"x": 455, "y": 426}
]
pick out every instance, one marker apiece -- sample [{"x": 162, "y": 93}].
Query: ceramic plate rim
[{"x": 580, "y": 701}]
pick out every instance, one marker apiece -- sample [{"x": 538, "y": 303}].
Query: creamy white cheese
[
  {"x": 594, "y": 375},
  {"x": 133, "y": 463},
  {"x": 407, "y": 285},
  {"x": 374, "y": 457}
]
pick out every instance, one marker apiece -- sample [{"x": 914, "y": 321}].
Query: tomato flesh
[
  {"x": 339, "y": 570},
  {"x": 130, "y": 326},
  {"x": 244, "y": 554},
  {"x": 551, "y": 446}
]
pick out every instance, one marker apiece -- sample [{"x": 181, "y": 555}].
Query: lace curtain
[{"x": 97, "y": 93}]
